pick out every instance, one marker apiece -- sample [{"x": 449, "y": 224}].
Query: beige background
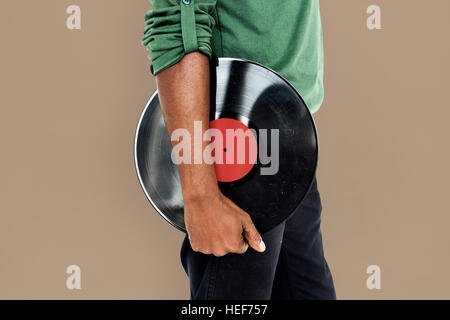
[{"x": 70, "y": 102}]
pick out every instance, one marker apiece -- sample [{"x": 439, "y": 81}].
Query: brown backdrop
[{"x": 70, "y": 102}]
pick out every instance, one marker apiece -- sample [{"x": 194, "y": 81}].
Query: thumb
[{"x": 252, "y": 235}]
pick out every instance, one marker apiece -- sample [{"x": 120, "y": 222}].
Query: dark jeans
[{"x": 292, "y": 267}]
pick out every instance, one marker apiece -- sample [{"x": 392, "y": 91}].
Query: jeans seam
[
  {"x": 288, "y": 277},
  {"x": 212, "y": 279}
]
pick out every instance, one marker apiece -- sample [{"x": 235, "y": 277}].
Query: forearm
[
  {"x": 183, "y": 91},
  {"x": 178, "y": 34}
]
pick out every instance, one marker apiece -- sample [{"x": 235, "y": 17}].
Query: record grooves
[{"x": 261, "y": 99}]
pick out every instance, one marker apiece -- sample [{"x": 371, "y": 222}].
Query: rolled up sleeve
[{"x": 177, "y": 27}]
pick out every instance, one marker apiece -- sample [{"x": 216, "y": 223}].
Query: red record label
[{"x": 239, "y": 149}]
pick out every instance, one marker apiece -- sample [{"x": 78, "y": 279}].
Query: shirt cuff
[{"x": 177, "y": 27}]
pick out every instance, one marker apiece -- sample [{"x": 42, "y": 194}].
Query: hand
[{"x": 216, "y": 225}]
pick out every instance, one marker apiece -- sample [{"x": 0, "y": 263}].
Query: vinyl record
[{"x": 259, "y": 98}]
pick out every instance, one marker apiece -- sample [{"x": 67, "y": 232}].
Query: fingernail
[{"x": 262, "y": 246}]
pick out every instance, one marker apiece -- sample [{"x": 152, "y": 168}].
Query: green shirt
[{"x": 286, "y": 36}]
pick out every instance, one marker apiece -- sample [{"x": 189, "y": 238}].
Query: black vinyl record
[{"x": 261, "y": 99}]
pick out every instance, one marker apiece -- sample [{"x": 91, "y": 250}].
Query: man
[{"x": 223, "y": 254}]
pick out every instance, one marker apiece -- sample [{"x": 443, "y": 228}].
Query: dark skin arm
[{"x": 215, "y": 224}]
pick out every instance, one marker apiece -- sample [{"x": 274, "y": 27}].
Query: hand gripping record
[{"x": 246, "y": 95}]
